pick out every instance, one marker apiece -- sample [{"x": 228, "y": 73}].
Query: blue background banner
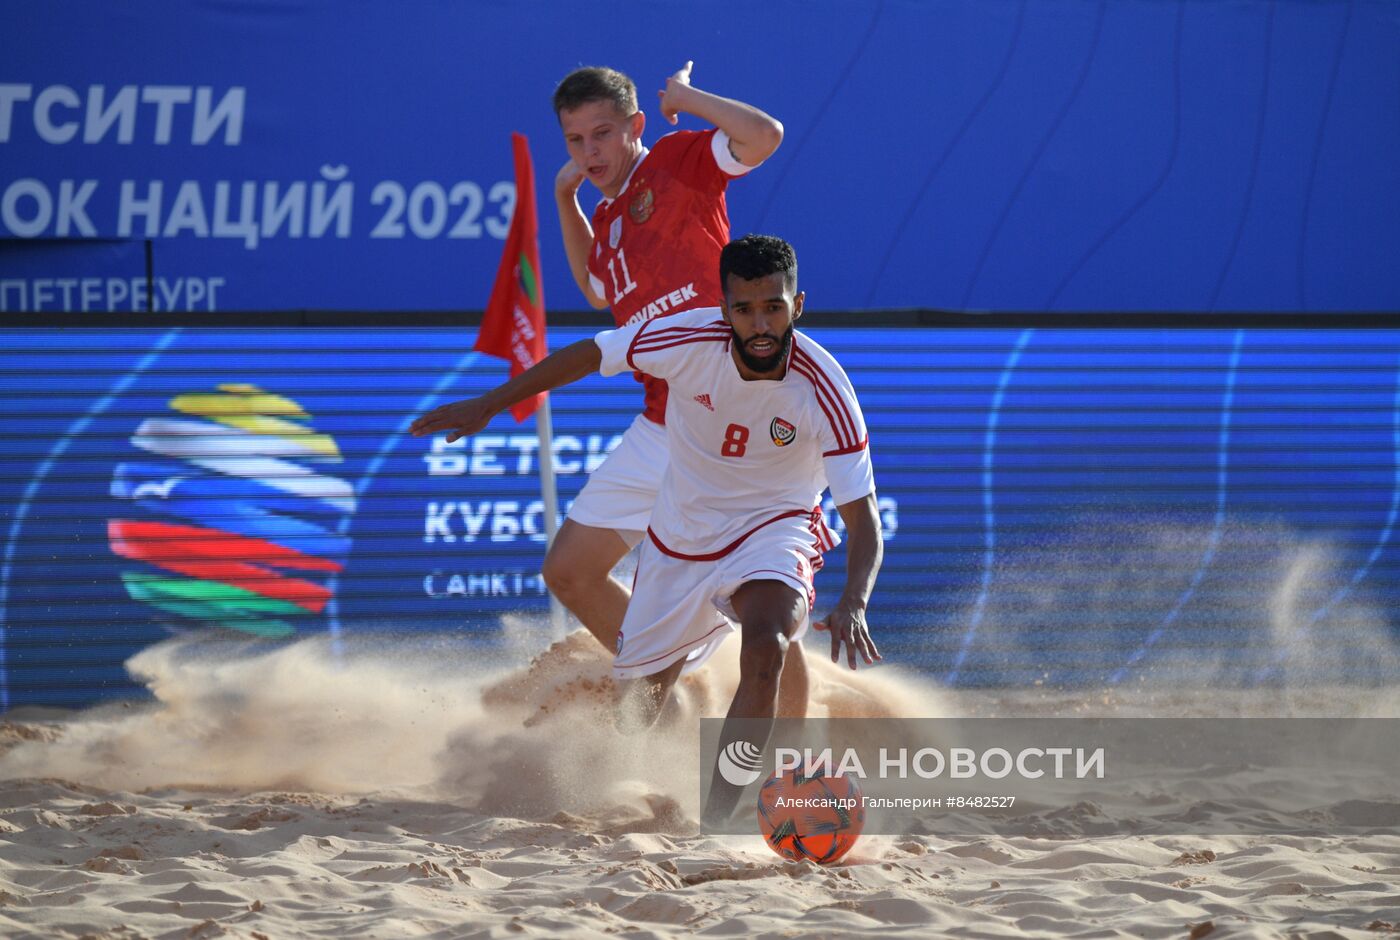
[
  {"x": 963, "y": 154},
  {"x": 1062, "y": 505},
  {"x": 1069, "y": 507}
]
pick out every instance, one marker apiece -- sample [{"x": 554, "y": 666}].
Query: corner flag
[
  {"x": 513, "y": 329},
  {"x": 513, "y": 325}
]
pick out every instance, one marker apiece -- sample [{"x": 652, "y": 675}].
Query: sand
[{"x": 432, "y": 792}]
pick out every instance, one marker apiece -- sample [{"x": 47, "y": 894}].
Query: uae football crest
[
  {"x": 641, "y": 206},
  {"x": 782, "y": 432}
]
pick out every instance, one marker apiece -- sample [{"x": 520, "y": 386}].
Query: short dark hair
[
  {"x": 756, "y": 256},
  {"x": 596, "y": 83}
]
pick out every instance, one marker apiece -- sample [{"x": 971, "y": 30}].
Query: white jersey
[{"x": 744, "y": 454}]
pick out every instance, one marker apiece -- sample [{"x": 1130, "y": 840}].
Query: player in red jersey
[{"x": 651, "y": 249}]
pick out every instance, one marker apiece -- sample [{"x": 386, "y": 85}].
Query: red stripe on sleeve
[
  {"x": 846, "y": 433},
  {"x": 853, "y": 449},
  {"x": 833, "y": 410},
  {"x": 657, "y": 347},
  {"x": 713, "y": 325},
  {"x": 632, "y": 346},
  {"x": 666, "y": 335}
]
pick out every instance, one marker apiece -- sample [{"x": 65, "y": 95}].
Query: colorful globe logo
[{"x": 234, "y": 524}]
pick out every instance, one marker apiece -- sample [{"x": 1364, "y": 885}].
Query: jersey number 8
[{"x": 736, "y": 440}]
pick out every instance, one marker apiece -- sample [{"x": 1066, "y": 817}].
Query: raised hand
[
  {"x": 673, "y": 94},
  {"x": 568, "y": 179}
]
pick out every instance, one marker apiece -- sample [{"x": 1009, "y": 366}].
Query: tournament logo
[
  {"x": 641, "y": 206},
  {"x": 228, "y": 519},
  {"x": 782, "y": 432}
]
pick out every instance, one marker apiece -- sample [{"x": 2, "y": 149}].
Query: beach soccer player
[
  {"x": 650, "y": 249},
  {"x": 761, "y": 419}
]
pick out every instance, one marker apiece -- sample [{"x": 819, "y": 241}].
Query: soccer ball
[{"x": 817, "y": 817}]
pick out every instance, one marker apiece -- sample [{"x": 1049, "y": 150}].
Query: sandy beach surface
[{"x": 431, "y": 792}]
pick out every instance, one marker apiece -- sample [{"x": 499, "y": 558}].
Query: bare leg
[
  {"x": 794, "y": 688},
  {"x": 769, "y": 613},
  {"x": 577, "y": 570},
  {"x": 643, "y": 699}
]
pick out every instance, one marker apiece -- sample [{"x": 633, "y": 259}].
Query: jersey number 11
[{"x": 627, "y": 285}]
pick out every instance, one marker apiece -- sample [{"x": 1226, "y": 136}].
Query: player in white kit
[{"x": 761, "y": 420}]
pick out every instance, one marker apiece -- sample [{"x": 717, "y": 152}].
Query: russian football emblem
[
  {"x": 641, "y": 206},
  {"x": 783, "y": 432}
]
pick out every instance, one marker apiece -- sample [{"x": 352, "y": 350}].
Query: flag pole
[
  {"x": 513, "y": 328},
  {"x": 544, "y": 427}
]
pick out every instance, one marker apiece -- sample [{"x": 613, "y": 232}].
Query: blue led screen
[{"x": 1063, "y": 506}]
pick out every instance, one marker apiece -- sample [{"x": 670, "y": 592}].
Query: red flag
[{"x": 513, "y": 326}]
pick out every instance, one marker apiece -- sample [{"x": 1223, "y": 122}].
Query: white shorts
[
  {"x": 620, "y": 494},
  {"x": 680, "y": 609}
]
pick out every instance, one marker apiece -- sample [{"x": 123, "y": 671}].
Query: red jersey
[{"x": 656, "y": 246}]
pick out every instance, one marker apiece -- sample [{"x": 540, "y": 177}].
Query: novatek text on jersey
[{"x": 666, "y": 303}]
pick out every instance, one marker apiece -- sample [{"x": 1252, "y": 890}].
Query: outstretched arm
[
  {"x": 576, "y": 229},
  {"x": 470, "y": 415},
  {"x": 864, "y": 550},
  {"x": 753, "y": 135}
]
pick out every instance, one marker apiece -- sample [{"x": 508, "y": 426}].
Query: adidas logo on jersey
[{"x": 705, "y": 400}]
